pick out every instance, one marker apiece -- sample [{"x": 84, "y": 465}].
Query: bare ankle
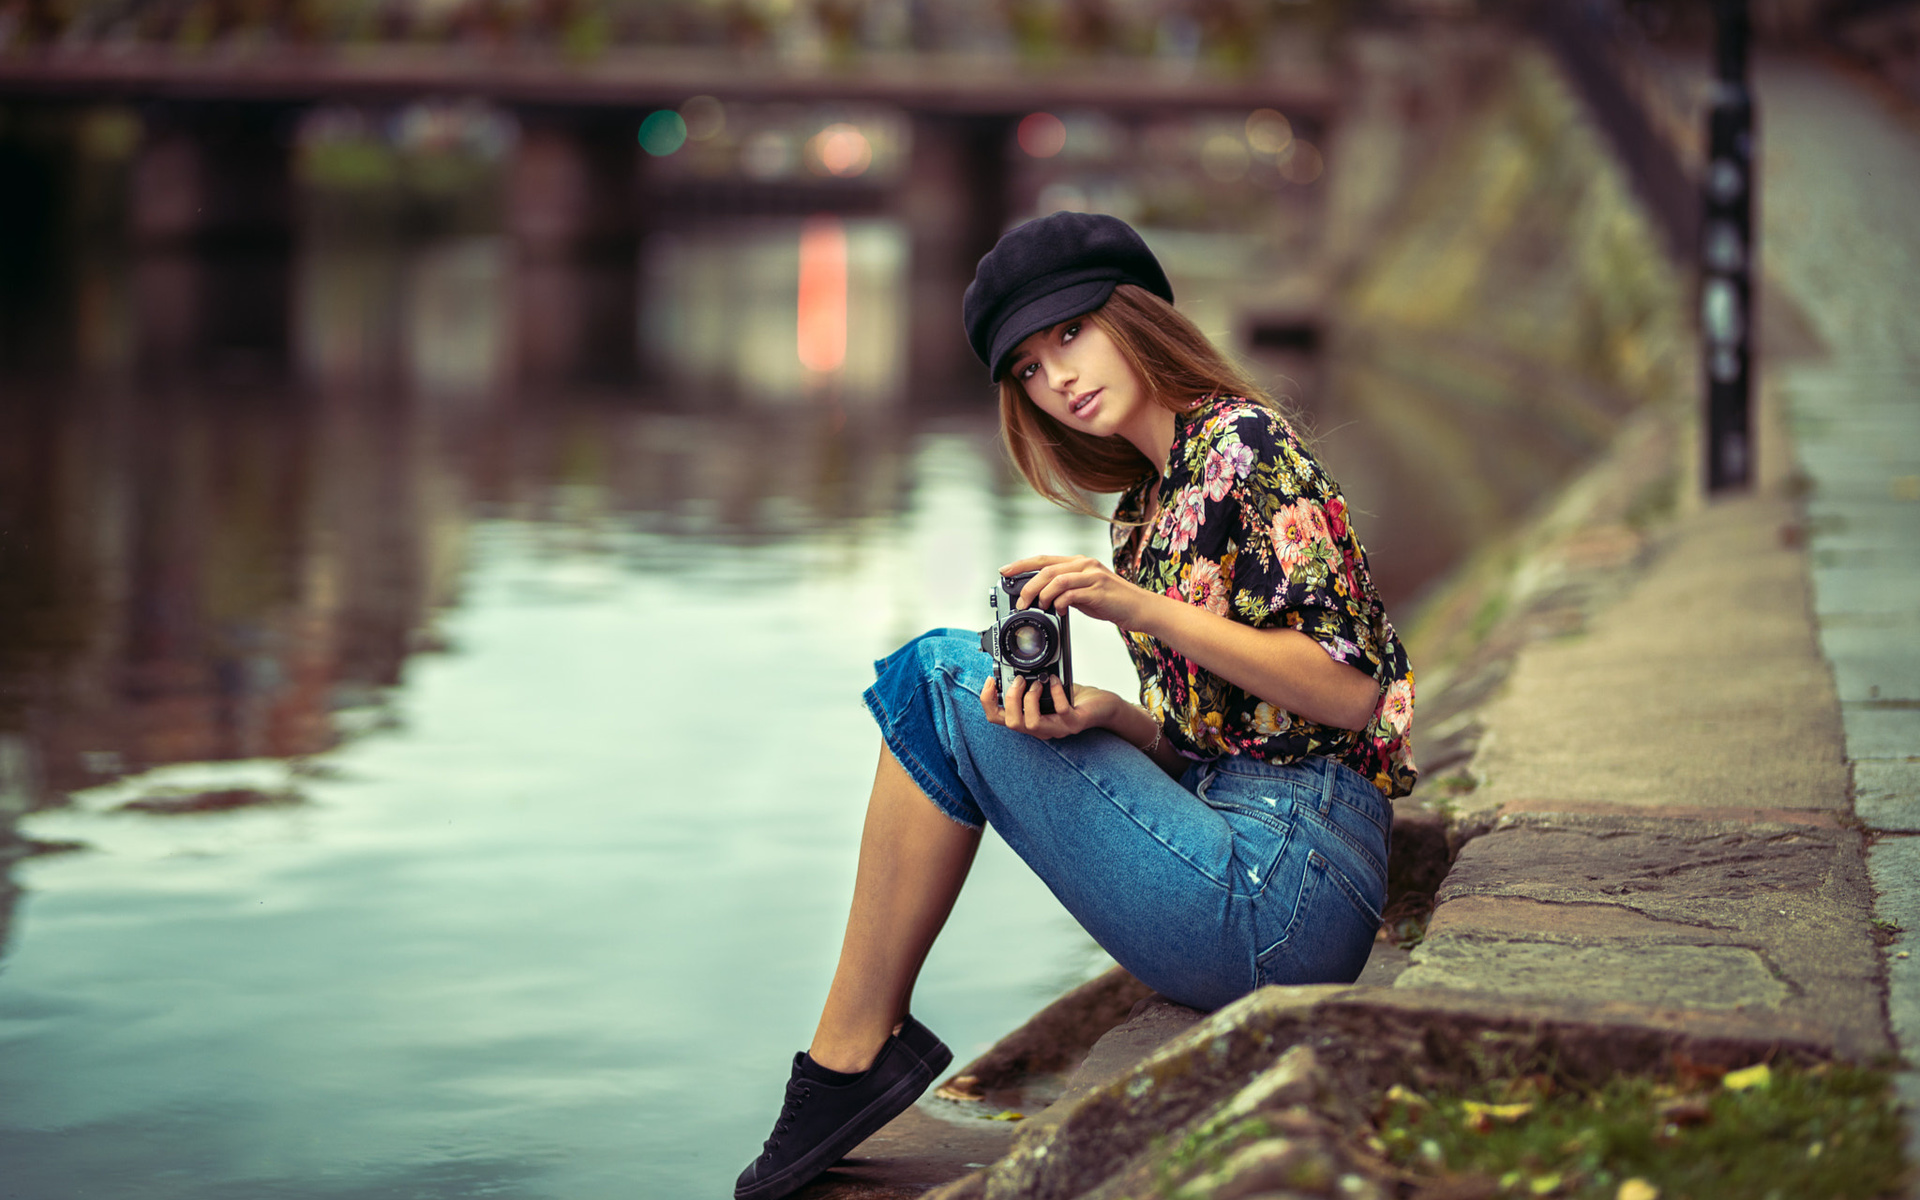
[
  {"x": 845, "y": 1065},
  {"x": 847, "y": 1055}
]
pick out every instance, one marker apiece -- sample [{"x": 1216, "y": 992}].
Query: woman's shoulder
[{"x": 1237, "y": 426}]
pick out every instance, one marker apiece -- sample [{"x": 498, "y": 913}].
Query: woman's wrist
[
  {"x": 1150, "y": 616},
  {"x": 1135, "y": 724}
]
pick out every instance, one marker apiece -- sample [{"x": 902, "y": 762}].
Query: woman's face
[{"x": 1077, "y": 375}]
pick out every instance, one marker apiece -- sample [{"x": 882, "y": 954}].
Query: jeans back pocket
[
  {"x": 1261, "y": 814},
  {"x": 1328, "y": 934}
]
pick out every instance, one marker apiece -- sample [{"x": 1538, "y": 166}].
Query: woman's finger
[
  {"x": 1030, "y": 594},
  {"x": 1032, "y": 562},
  {"x": 1031, "y": 704},
  {"x": 1065, "y": 583},
  {"x": 1033, "y": 596},
  {"x": 1015, "y": 705},
  {"x": 990, "y": 701}
]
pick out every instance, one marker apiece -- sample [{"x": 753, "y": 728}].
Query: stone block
[
  {"x": 1667, "y": 976},
  {"x": 1707, "y": 914},
  {"x": 1874, "y": 732},
  {"x": 1870, "y": 590},
  {"x": 1886, "y": 795},
  {"x": 1060, "y": 1034},
  {"x": 1697, "y": 872},
  {"x": 1872, "y": 521},
  {"x": 1895, "y": 865},
  {"x": 1874, "y": 662}
]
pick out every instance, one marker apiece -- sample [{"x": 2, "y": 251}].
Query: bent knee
[{"x": 953, "y": 653}]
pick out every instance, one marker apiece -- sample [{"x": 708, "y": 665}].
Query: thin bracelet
[{"x": 1153, "y": 745}]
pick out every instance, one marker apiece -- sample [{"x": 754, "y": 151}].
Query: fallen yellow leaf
[
  {"x": 1636, "y": 1189},
  {"x": 1508, "y": 1113},
  {"x": 1544, "y": 1185},
  {"x": 961, "y": 1089},
  {"x": 1756, "y": 1076},
  {"x": 1008, "y": 1115}
]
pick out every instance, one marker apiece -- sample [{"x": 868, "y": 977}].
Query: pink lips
[{"x": 1083, "y": 403}]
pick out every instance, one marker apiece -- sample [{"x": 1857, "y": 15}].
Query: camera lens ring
[{"x": 1029, "y": 641}]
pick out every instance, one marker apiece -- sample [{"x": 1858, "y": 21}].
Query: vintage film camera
[{"x": 1030, "y": 642}]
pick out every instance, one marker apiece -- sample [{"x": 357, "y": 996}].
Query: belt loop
[{"x": 1327, "y": 774}]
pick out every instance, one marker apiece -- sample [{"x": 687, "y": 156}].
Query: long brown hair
[{"x": 1174, "y": 362}]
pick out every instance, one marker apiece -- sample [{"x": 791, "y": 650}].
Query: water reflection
[
  {"x": 736, "y": 309},
  {"x": 555, "y": 905},
  {"x": 557, "y": 688}
]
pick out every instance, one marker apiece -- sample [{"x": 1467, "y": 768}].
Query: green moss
[
  {"x": 1654, "y": 503},
  {"x": 1828, "y": 1131},
  {"x": 1204, "y": 1149},
  {"x": 1486, "y": 616}
]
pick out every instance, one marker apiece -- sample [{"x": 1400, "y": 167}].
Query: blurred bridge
[
  {"x": 214, "y": 169},
  {"x": 971, "y": 85}
]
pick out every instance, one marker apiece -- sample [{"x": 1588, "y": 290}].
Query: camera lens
[{"x": 1027, "y": 640}]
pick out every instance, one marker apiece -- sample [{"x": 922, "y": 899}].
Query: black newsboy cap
[{"x": 1050, "y": 269}]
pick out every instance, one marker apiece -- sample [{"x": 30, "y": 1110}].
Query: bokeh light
[
  {"x": 1042, "y": 135},
  {"x": 1224, "y": 158},
  {"x": 1269, "y": 131},
  {"x": 705, "y": 116},
  {"x": 822, "y": 334},
  {"x": 840, "y": 150},
  {"x": 1304, "y": 164},
  {"x": 662, "y": 133},
  {"x": 768, "y": 154}
]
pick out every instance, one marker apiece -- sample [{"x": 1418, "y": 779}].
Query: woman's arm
[{"x": 1283, "y": 667}]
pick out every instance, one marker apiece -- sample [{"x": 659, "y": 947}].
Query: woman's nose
[{"x": 1059, "y": 374}]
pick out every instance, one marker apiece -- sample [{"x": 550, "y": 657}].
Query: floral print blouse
[{"x": 1250, "y": 527}]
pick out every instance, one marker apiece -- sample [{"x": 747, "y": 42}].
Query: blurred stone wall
[{"x": 1516, "y": 308}]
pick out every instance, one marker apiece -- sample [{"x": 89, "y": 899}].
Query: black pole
[{"x": 1727, "y": 257}]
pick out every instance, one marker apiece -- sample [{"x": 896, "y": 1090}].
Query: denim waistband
[{"x": 1330, "y": 778}]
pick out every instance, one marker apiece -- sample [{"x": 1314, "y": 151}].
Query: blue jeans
[{"x": 1236, "y": 875}]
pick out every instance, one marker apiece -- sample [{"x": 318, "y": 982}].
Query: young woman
[{"x": 1228, "y": 832}]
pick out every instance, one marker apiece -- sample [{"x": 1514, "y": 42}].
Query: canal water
[{"x": 429, "y": 768}]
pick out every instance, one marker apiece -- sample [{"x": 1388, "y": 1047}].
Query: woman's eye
[
  {"x": 1067, "y": 334},
  {"x": 1024, "y": 373}
]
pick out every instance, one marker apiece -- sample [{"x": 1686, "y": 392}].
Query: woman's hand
[
  {"x": 1083, "y": 584},
  {"x": 1019, "y": 710},
  {"x": 1284, "y": 667}
]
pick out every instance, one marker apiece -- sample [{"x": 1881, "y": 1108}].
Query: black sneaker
[{"x": 820, "y": 1122}]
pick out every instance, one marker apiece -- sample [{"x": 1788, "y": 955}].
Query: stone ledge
[{"x": 1363, "y": 1040}]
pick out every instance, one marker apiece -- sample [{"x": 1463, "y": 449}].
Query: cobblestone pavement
[{"x": 1841, "y": 171}]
